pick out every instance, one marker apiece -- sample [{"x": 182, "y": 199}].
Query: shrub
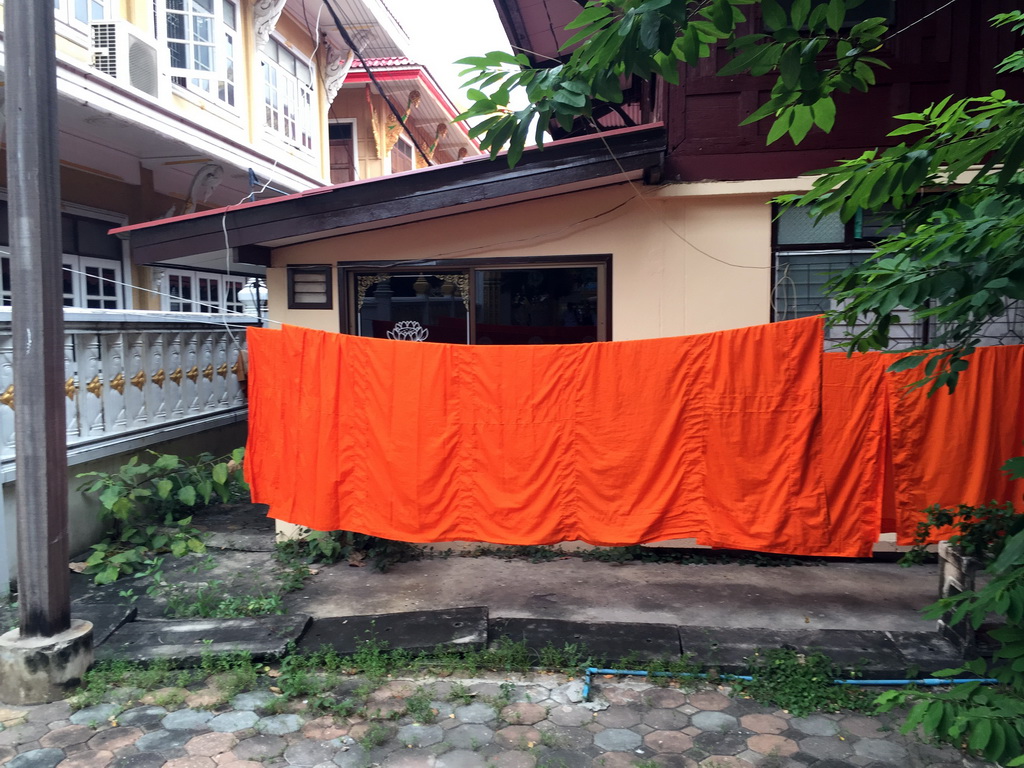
[{"x": 148, "y": 508}]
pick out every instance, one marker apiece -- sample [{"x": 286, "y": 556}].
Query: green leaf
[
  {"x": 721, "y": 16},
  {"x": 932, "y": 716},
  {"x": 166, "y": 461},
  {"x": 196, "y": 545},
  {"x": 789, "y": 67},
  {"x": 836, "y": 14},
  {"x": 773, "y": 14},
  {"x": 1011, "y": 556},
  {"x": 563, "y": 96},
  {"x": 107, "y": 575},
  {"x": 743, "y": 61},
  {"x": 802, "y": 121},
  {"x": 164, "y": 487},
  {"x": 799, "y": 12},
  {"x": 111, "y": 495},
  {"x": 588, "y": 15},
  {"x": 96, "y": 557},
  {"x": 980, "y": 735},
  {"x": 780, "y": 126},
  {"x": 824, "y": 112},
  {"x": 205, "y": 490},
  {"x": 187, "y": 495},
  {"x": 178, "y": 548},
  {"x": 220, "y": 473},
  {"x": 1015, "y": 467}
]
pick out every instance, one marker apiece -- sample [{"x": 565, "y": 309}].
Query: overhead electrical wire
[{"x": 373, "y": 78}]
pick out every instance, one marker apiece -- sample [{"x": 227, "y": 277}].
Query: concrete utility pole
[{"x": 49, "y": 652}]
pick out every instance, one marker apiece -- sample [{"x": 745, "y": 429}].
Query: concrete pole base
[{"x": 37, "y": 670}]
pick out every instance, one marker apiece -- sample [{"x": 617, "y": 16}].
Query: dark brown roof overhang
[{"x": 472, "y": 184}]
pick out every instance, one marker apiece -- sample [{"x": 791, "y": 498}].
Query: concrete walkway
[
  {"x": 499, "y": 721},
  {"x": 513, "y": 721}
]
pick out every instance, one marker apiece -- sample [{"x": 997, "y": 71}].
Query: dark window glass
[
  {"x": 67, "y": 234},
  {"x": 550, "y": 305},
  {"x": 93, "y": 239}
]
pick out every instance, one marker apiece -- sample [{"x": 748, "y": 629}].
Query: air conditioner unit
[{"x": 124, "y": 52}]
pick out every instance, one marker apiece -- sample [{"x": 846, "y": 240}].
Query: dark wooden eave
[{"x": 580, "y": 163}]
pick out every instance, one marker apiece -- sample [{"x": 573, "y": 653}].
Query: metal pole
[{"x": 37, "y": 320}]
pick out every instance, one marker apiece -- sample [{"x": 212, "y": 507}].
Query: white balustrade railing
[{"x": 136, "y": 372}]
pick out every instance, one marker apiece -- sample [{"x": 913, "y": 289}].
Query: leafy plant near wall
[
  {"x": 149, "y": 505},
  {"x": 985, "y": 720},
  {"x": 335, "y": 546},
  {"x": 981, "y": 532}
]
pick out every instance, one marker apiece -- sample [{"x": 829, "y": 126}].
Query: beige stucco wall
[{"x": 683, "y": 261}]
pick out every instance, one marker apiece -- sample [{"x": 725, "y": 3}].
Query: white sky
[{"x": 443, "y": 31}]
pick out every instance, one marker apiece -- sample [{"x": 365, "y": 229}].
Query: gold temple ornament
[
  {"x": 193, "y": 373},
  {"x": 95, "y": 386},
  {"x": 176, "y": 376},
  {"x": 70, "y": 388},
  {"x": 117, "y": 383},
  {"x": 139, "y": 380},
  {"x": 158, "y": 378},
  {"x": 208, "y": 372},
  {"x": 222, "y": 370},
  {"x": 7, "y": 398}
]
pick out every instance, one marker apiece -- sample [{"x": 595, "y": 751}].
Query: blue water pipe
[{"x": 702, "y": 675}]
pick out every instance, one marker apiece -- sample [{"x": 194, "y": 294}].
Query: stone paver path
[{"x": 534, "y": 721}]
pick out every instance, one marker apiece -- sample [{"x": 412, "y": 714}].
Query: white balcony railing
[{"x": 135, "y": 373}]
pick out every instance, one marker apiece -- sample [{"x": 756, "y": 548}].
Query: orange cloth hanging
[
  {"x": 855, "y": 426},
  {"x": 716, "y": 436},
  {"x": 948, "y": 449}
]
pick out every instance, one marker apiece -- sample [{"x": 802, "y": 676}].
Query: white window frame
[
  {"x": 71, "y": 12},
  {"x": 288, "y": 96},
  {"x": 79, "y": 266},
  {"x": 215, "y": 82},
  {"x": 220, "y": 281}
]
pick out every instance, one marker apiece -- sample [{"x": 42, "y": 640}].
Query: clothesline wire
[{"x": 646, "y": 201}]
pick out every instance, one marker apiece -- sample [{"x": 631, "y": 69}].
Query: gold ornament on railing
[
  {"x": 70, "y": 388},
  {"x": 439, "y": 133},
  {"x": 208, "y": 372},
  {"x": 222, "y": 370},
  {"x": 117, "y": 383},
  {"x": 158, "y": 378},
  {"x": 176, "y": 376},
  {"x": 386, "y": 127},
  {"x": 193, "y": 374},
  {"x": 139, "y": 380},
  {"x": 95, "y": 386},
  {"x": 7, "y": 398}
]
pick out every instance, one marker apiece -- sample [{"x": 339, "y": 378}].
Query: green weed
[
  {"x": 376, "y": 735},
  {"x": 800, "y": 683}
]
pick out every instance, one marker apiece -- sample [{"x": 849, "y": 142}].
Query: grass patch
[{"x": 801, "y": 683}]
